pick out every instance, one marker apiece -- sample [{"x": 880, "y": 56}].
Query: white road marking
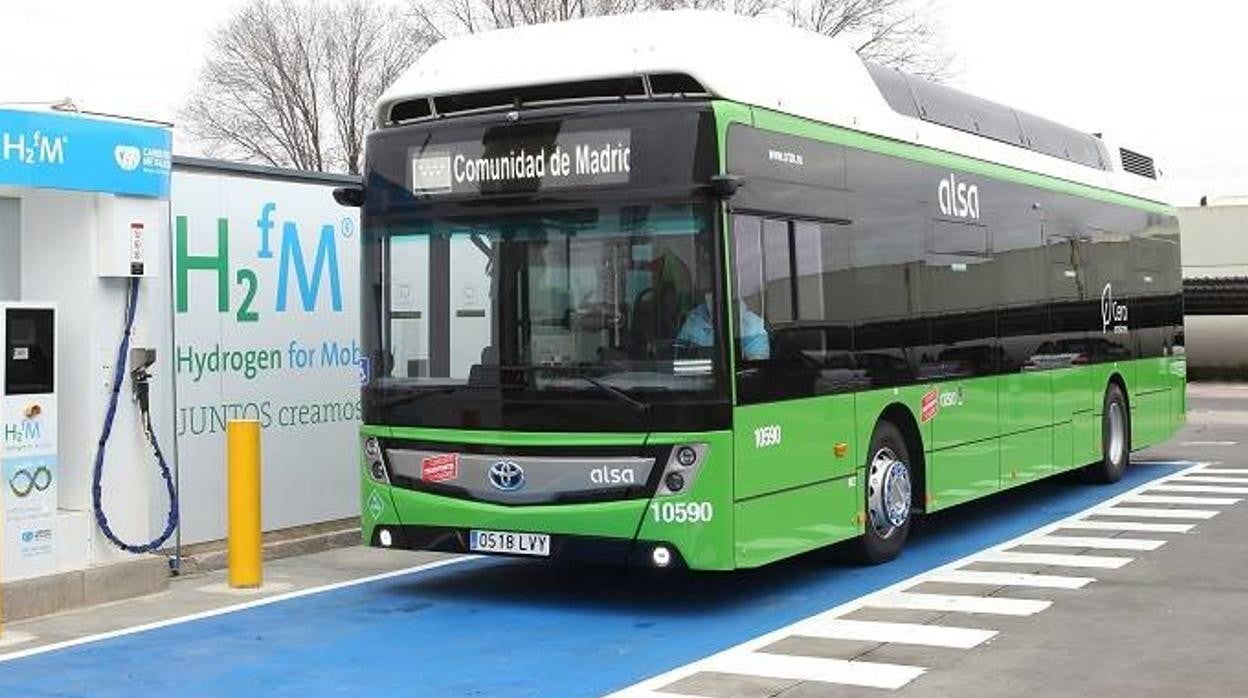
[
  {"x": 1154, "y": 513},
  {"x": 1201, "y": 489},
  {"x": 1210, "y": 478},
  {"x": 231, "y": 608},
  {"x": 961, "y": 604},
  {"x": 783, "y": 666},
  {"x": 1195, "y": 501},
  {"x": 1207, "y": 443},
  {"x": 1146, "y": 527},
  {"x": 1095, "y": 542},
  {"x": 893, "y": 597},
  {"x": 1013, "y": 579},
  {"x": 1221, "y": 471},
  {"x": 904, "y": 633},
  {"x": 1089, "y": 561}
]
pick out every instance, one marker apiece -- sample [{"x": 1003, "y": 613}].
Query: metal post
[{"x": 243, "y": 486}]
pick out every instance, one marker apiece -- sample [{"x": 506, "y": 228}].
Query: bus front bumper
[
  {"x": 593, "y": 550},
  {"x": 623, "y": 532}
]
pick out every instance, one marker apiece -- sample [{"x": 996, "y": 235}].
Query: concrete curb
[
  {"x": 216, "y": 557},
  {"x": 40, "y": 596},
  {"x": 149, "y": 574}
]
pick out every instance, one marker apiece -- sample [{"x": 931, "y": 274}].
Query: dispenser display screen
[{"x": 29, "y": 345}]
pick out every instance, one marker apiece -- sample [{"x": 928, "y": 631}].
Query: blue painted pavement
[{"x": 498, "y": 627}]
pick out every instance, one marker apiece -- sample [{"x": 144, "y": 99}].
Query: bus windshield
[{"x": 554, "y": 318}]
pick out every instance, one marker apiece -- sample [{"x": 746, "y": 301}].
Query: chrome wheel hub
[
  {"x": 1117, "y": 433},
  {"x": 888, "y": 493}
]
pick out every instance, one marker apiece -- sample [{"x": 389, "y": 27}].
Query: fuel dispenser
[{"x": 28, "y": 445}]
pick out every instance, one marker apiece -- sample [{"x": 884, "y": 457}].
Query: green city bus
[{"x": 633, "y": 298}]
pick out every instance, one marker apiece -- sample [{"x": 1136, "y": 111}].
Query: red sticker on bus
[
  {"x": 440, "y": 468},
  {"x": 931, "y": 405}
]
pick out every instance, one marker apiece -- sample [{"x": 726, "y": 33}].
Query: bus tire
[
  {"x": 888, "y": 495},
  {"x": 1115, "y": 438}
]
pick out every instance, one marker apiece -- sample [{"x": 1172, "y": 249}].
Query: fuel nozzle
[{"x": 141, "y": 359}]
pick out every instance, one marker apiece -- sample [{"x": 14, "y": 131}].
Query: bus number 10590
[{"x": 682, "y": 512}]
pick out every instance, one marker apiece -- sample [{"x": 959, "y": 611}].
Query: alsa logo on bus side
[{"x": 958, "y": 198}]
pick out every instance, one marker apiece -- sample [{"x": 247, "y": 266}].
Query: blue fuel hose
[{"x": 119, "y": 374}]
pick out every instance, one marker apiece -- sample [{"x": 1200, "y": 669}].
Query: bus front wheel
[
  {"x": 1115, "y": 438},
  {"x": 889, "y": 485}
]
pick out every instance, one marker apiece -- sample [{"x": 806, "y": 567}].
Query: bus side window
[{"x": 787, "y": 345}]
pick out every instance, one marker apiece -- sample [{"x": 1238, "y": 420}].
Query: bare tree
[
  {"x": 898, "y": 33},
  {"x": 366, "y": 50},
  {"x": 449, "y": 17},
  {"x": 292, "y": 84}
]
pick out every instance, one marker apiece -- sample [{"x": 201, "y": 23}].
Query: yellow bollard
[{"x": 243, "y": 487}]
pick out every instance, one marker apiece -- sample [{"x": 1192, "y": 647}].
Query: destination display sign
[{"x": 522, "y": 162}]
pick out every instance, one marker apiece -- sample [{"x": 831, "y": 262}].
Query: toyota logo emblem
[{"x": 507, "y": 476}]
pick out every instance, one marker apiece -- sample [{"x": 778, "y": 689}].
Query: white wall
[
  {"x": 310, "y": 470},
  {"x": 1215, "y": 244},
  {"x": 1215, "y": 241}
]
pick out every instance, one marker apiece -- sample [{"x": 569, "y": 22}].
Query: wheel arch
[{"x": 901, "y": 417}]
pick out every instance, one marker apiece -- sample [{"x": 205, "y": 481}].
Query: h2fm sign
[{"x": 309, "y": 260}]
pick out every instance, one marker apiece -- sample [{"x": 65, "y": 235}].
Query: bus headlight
[
  {"x": 378, "y": 470},
  {"x": 686, "y": 456},
  {"x": 376, "y": 461},
  {"x": 683, "y": 464},
  {"x": 372, "y": 448},
  {"x": 674, "y": 482}
]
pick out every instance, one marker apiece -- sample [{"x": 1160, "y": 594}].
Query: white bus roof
[{"x": 753, "y": 61}]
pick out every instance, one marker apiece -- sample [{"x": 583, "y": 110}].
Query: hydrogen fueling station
[
  {"x": 84, "y": 213},
  {"x": 148, "y": 301}
]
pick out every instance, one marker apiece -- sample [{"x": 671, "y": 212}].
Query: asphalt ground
[{"x": 1167, "y": 622}]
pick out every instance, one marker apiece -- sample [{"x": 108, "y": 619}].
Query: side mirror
[
  {"x": 725, "y": 185},
  {"x": 352, "y": 196}
]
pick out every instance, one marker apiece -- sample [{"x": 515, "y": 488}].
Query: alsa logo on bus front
[
  {"x": 958, "y": 199},
  {"x": 606, "y": 475}
]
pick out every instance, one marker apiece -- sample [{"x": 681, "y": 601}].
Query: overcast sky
[{"x": 1165, "y": 78}]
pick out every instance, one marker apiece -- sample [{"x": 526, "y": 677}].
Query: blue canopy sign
[{"x": 61, "y": 151}]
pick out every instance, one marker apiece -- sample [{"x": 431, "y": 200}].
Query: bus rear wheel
[
  {"x": 889, "y": 487},
  {"x": 1115, "y": 438}
]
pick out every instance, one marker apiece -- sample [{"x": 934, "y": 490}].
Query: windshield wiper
[
  {"x": 575, "y": 372},
  {"x": 414, "y": 395},
  {"x": 637, "y": 405}
]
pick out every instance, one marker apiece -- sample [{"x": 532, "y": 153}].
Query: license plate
[{"x": 537, "y": 544}]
